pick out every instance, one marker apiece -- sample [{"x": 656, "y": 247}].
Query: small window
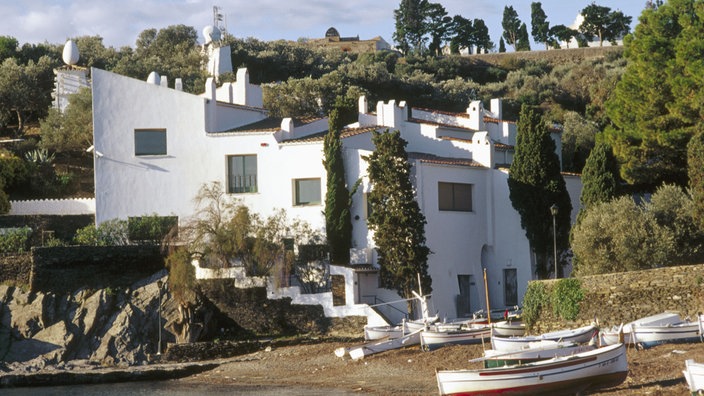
[
  {"x": 455, "y": 197},
  {"x": 150, "y": 142},
  {"x": 306, "y": 192},
  {"x": 241, "y": 174}
]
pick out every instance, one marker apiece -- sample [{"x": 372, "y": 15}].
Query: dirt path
[{"x": 410, "y": 371}]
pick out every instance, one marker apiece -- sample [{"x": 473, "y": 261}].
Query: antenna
[{"x": 219, "y": 19}]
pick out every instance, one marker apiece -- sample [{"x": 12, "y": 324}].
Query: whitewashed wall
[{"x": 76, "y": 206}]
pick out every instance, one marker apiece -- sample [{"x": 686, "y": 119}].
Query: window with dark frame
[
  {"x": 149, "y": 142},
  {"x": 306, "y": 192},
  {"x": 241, "y": 174},
  {"x": 455, "y": 197}
]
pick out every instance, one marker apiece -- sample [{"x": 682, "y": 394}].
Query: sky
[{"x": 119, "y": 22}]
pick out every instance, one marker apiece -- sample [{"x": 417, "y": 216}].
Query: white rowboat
[
  {"x": 579, "y": 336},
  {"x": 694, "y": 375},
  {"x": 431, "y": 339},
  {"x": 600, "y": 368}
]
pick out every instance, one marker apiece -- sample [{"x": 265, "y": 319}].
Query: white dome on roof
[
  {"x": 211, "y": 33},
  {"x": 70, "y": 54}
]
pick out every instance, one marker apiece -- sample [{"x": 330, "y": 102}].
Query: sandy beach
[{"x": 410, "y": 371}]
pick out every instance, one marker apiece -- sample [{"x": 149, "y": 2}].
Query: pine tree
[
  {"x": 535, "y": 184},
  {"x": 502, "y": 45},
  {"x": 695, "y": 168},
  {"x": 511, "y": 25},
  {"x": 523, "y": 42},
  {"x": 540, "y": 27},
  {"x": 600, "y": 180},
  {"x": 396, "y": 219},
  {"x": 659, "y": 100},
  {"x": 338, "y": 221}
]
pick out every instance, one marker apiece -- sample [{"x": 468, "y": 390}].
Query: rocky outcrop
[{"x": 106, "y": 327}]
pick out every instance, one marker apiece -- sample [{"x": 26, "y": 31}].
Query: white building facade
[{"x": 156, "y": 146}]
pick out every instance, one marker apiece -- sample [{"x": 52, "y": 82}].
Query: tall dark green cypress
[
  {"x": 535, "y": 184},
  {"x": 396, "y": 219},
  {"x": 338, "y": 222},
  {"x": 600, "y": 178}
]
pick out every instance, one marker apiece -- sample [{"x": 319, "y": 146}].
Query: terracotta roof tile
[{"x": 319, "y": 136}]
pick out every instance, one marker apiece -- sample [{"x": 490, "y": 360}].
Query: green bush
[
  {"x": 150, "y": 229},
  {"x": 15, "y": 240},
  {"x": 565, "y": 298},
  {"x": 533, "y": 302},
  {"x": 110, "y": 233}
]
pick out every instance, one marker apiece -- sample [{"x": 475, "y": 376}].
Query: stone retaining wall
[
  {"x": 67, "y": 269},
  {"x": 15, "y": 268},
  {"x": 623, "y": 297}
]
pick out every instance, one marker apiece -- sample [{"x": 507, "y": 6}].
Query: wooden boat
[
  {"x": 694, "y": 375},
  {"x": 508, "y": 328},
  {"x": 371, "y": 348},
  {"x": 646, "y": 334},
  {"x": 600, "y": 368},
  {"x": 533, "y": 352},
  {"x": 610, "y": 337},
  {"x": 579, "y": 336},
  {"x": 433, "y": 338},
  {"x": 373, "y": 333}
]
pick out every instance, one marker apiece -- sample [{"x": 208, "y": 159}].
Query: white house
[{"x": 156, "y": 146}]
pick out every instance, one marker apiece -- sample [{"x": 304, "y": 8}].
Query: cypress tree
[
  {"x": 600, "y": 180},
  {"x": 535, "y": 184},
  {"x": 396, "y": 219},
  {"x": 338, "y": 222},
  {"x": 502, "y": 45}
]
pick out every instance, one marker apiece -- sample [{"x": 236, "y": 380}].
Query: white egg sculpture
[
  {"x": 70, "y": 54},
  {"x": 211, "y": 33},
  {"x": 154, "y": 78}
]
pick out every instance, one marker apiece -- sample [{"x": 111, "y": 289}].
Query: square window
[
  {"x": 455, "y": 197},
  {"x": 241, "y": 174},
  {"x": 306, "y": 191},
  {"x": 149, "y": 142}
]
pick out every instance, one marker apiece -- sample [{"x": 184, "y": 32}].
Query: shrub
[
  {"x": 533, "y": 302},
  {"x": 110, "y": 233},
  {"x": 150, "y": 229},
  {"x": 565, "y": 298},
  {"x": 15, "y": 240}
]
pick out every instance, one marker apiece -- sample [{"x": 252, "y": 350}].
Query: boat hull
[
  {"x": 431, "y": 340},
  {"x": 508, "y": 329},
  {"x": 577, "y": 336},
  {"x": 650, "y": 335},
  {"x": 694, "y": 375},
  {"x": 550, "y": 350},
  {"x": 600, "y": 368}
]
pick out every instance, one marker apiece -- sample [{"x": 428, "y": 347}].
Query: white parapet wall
[
  {"x": 74, "y": 206},
  {"x": 237, "y": 274},
  {"x": 294, "y": 292},
  {"x": 325, "y": 299}
]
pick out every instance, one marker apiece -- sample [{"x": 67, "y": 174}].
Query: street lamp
[
  {"x": 553, "y": 211},
  {"x": 159, "y": 284}
]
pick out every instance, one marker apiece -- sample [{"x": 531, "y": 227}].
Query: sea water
[{"x": 167, "y": 388}]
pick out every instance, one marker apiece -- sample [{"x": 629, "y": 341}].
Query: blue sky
[{"x": 119, "y": 22}]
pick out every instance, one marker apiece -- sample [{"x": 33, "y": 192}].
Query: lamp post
[
  {"x": 553, "y": 211},
  {"x": 159, "y": 284}
]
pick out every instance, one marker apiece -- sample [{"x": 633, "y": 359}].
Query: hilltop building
[
  {"x": 156, "y": 146},
  {"x": 333, "y": 39}
]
